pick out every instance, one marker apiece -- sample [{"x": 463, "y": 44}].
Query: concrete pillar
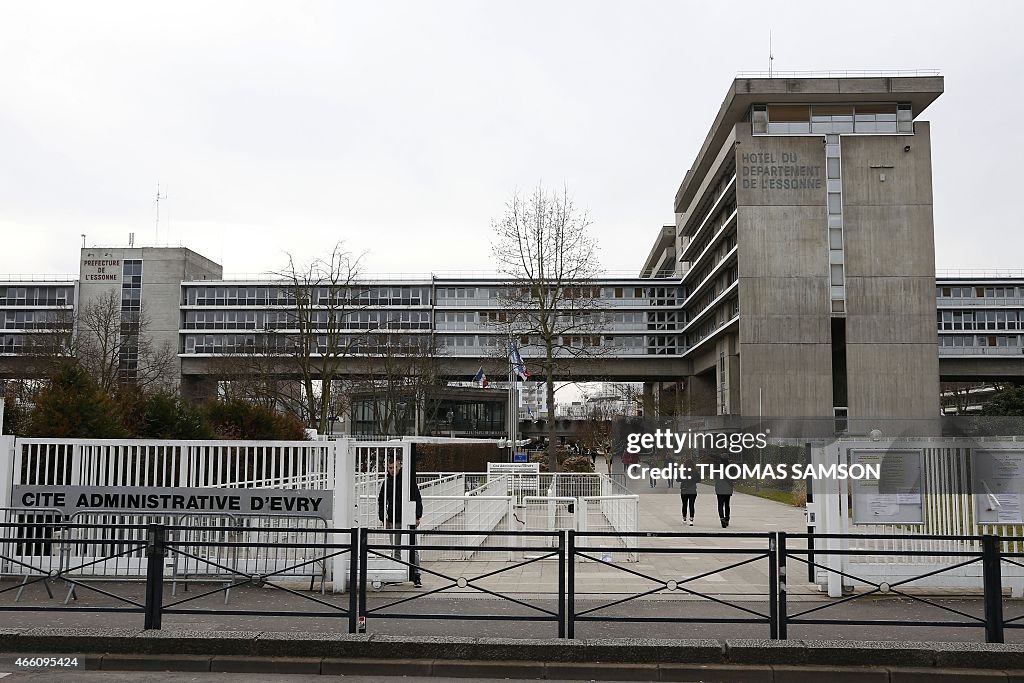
[
  {"x": 732, "y": 363},
  {"x": 650, "y": 406},
  {"x": 701, "y": 394}
]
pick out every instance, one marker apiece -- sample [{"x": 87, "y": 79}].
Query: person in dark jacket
[
  {"x": 723, "y": 489},
  {"x": 389, "y": 512},
  {"x": 688, "y": 491}
]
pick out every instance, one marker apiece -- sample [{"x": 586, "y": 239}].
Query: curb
[{"x": 612, "y": 659}]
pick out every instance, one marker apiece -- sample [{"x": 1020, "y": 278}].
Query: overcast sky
[{"x": 402, "y": 127}]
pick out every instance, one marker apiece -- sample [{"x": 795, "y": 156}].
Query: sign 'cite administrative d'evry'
[{"x": 176, "y": 501}]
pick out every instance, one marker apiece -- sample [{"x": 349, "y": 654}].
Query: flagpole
[{"x": 513, "y": 409}]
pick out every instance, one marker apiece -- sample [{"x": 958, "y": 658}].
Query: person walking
[
  {"x": 688, "y": 491},
  {"x": 723, "y": 489},
  {"x": 389, "y": 511}
]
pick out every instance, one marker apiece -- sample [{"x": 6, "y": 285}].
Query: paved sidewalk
[{"x": 660, "y": 510}]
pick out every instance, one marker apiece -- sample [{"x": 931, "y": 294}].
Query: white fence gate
[
  {"x": 354, "y": 470},
  {"x": 100, "y": 463}
]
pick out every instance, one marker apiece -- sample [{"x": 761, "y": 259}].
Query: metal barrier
[
  {"x": 551, "y": 547},
  {"x": 111, "y": 543},
  {"x": 305, "y": 551},
  {"x": 618, "y": 514},
  {"x": 584, "y": 545},
  {"x": 469, "y": 528},
  {"x": 34, "y": 544},
  {"x": 959, "y": 551},
  {"x": 161, "y": 544}
]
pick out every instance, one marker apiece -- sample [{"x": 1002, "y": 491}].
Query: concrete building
[
  {"x": 980, "y": 320},
  {"x": 797, "y": 281},
  {"x": 804, "y": 243},
  {"x": 145, "y": 283}
]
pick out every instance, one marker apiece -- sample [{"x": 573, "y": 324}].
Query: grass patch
[{"x": 794, "y": 498}]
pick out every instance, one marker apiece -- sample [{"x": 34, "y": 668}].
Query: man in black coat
[{"x": 389, "y": 511}]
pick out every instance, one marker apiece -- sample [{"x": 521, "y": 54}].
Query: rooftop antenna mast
[
  {"x": 771, "y": 57},
  {"x": 158, "y": 198}
]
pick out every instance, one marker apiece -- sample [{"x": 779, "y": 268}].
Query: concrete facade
[
  {"x": 157, "y": 274},
  {"x": 804, "y": 240}
]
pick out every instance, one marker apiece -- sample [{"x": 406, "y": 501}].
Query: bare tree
[
  {"x": 256, "y": 373},
  {"x": 631, "y": 393},
  {"x": 50, "y": 342},
  {"x": 962, "y": 396},
  {"x": 401, "y": 371},
  {"x": 551, "y": 307},
  {"x": 115, "y": 347},
  {"x": 597, "y": 433},
  {"x": 321, "y": 298}
]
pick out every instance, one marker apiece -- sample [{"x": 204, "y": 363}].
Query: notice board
[
  {"x": 998, "y": 478},
  {"x": 897, "y": 496}
]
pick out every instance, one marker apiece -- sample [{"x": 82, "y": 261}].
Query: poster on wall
[
  {"x": 897, "y": 496},
  {"x": 998, "y": 478}
]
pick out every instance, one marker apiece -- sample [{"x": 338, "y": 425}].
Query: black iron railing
[{"x": 76, "y": 554}]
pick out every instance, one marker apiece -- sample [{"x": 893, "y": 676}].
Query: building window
[{"x": 837, "y": 274}]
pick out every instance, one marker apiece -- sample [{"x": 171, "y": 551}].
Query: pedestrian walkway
[{"x": 660, "y": 510}]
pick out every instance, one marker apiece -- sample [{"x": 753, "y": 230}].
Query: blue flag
[{"x": 516, "y": 360}]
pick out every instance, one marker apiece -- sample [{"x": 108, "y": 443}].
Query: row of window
[
  {"x": 718, "y": 216},
  {"x": 277, "y": 320},
  {"x": 958, "y": 340},
  {"x": 722, "y": 283},
  {"x": 131, "y": 318},
  {"x": 32, "y": 320},
  {"x": 660, "y": 344},
  {"x": 721, "y": 253},
  {"x": 836, "y": 119},
  {"x": 979, "y": 292},
  {"x": 340, "y": 296},
  {"x": 725, "y": 313},
  {"x": 980, "y": 320},
  {"x": 273, "y": 344},
  {"x": 37, "y": 296},
  {"x": 403, "y": 296},
  {"x": 710, "y": 207},
  {"x": 12, "y": 343}
]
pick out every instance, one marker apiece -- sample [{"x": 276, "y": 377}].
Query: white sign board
[
  {"x": 524, "y": 474},
  {"x": 998, "y": 486},
  {"x": 896, "y": 497},
  {"x": 496, "y": 469},
  {"x": 152, "y": 500}
]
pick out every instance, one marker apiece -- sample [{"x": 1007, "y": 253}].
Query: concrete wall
[
  {"x": 163, "y": 269},
  {"x": 892, "y": 342},
  {"x": 785, "y": 344}
]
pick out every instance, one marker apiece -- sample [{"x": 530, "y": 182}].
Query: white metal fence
[
  {"x": 354, "y": 470},
  {"x": 154, "y": 463}
]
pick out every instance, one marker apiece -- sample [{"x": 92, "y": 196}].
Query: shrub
[
  {"x": 166, "y": 416},
  {"x": 235, "y": 419},
  {"x": 72, "y": 405},
  {"x": 577, "y": 463}
]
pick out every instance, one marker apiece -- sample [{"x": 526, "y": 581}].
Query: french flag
[{"x": 480, "y": 377}]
